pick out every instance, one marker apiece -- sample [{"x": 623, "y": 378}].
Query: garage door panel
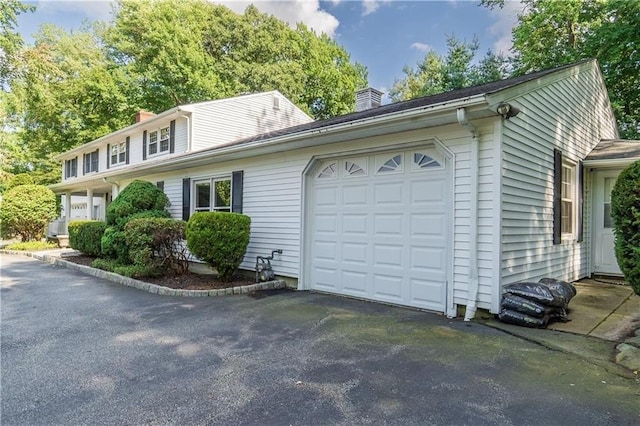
[
  {"x": 382, "y": 235},
  {"x": 355, "y": 195},
  {"x": 388, "y": 255},
  {"x": 355, "y": 224},
  {"x": 355, "y": 253},
  {"x": 428, "y": 260},
  {"x": 428, "y": 225},
  {"x": 388, "y": 193},
  {"x": 428, "y": 294},
  {"x": 355, "y": 283},
  {"x": 388, "y": 224}
]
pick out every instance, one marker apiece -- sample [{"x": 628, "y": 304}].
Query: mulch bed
[{"x": 188, "y": 281}]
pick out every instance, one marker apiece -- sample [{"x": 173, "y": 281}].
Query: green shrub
[
  {"x": 139, "y": 199},
  {"x": 86, "y": 235},
  {"x": 157, "y": 243},
  {"x": 113, "y": 245},
  {"x": 625, "y": 211},
  {"x": 139, "y": 196},
  {"x": 26, "y": 211},
  {"x": 220, "y": 239},
  {"x": 131, "y": 271},
  {"x": 20, "y": 179},
  {"x": 32, "y": 246}
]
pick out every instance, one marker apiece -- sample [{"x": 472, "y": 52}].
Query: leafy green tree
[
  {"x": 26, "y": 211},
  {"x": 438, "y": 74},
  {"x": 10, "y": 40},
  {"x": 551, "y": 33}
]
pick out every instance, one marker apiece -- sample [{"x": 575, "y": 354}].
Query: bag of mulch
[
  {"x": 540, "y": 293},
  {"x": 518, "y": 318},
  {"x": 566, "y": 289},
  {"x": 524, "y": 306}
]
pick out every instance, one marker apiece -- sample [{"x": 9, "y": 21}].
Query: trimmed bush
[
  {"x": 26, "y": 211},
  {"x": 139, "y": 196},
  {"x": 85, "y": 236},
  {"x": 625, "y": 211},
  {"x": 157, "y": 243},
  {"x": 139, "y": 199},
  {"x": 20, "y": 179},
  {"x": 220, "y": 239}
]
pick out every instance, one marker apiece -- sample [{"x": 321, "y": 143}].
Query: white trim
[{"x": 614, "y": 162}]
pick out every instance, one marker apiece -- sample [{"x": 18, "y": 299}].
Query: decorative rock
[{"x": 628, "y": 356}]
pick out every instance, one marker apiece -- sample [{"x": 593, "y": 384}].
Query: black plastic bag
[
  {"x": 518, "y": 318},
  {"x": 541, "y": 293},
  {"x": 564, "y": 288},
  {"x": 524, "y": 306}
]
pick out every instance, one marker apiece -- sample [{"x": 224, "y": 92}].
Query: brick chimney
[
  {"x": 143, "y": 115},
  {"x": 368, "y": 98}
]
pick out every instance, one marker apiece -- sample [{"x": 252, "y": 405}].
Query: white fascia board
[{"x": 613, "y": 162}]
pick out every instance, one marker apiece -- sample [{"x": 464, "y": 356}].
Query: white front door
[
  {"x": 604, "y": 256},
  {"x": 380, "y": 227}
]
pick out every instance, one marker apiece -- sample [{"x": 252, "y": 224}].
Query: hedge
[
  {"x": 86, "y": 235},
  {"x": 157, "y": 243}
]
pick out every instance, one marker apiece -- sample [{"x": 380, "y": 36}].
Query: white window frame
[
  {"x": 120, "y": 150},
  {"x": 212, "y": 207},
  {"x": 91, "y": 159},
  {"x": 71, "y": 168},
  {"x": 162, "y": 143},
  {"x": 568, "y": 194}
]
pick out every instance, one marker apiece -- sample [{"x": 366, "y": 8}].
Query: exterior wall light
[{"x": 507, "y": 110}]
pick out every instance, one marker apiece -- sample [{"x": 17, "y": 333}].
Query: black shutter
[
  {"x": 75, "y": 169},
  {"x": 108, "y": 154},
  {"x": 84, "y": 164},
  {"x": 126, "y": 155},
  {"x": 66, "y": 169},
  {"x": 186, "y": 198},
  {"x": 557, "y": 196},
  {"x": 160, "y": 185},
  {"x": 580, "y": 230},
  {"x": 172, "y": 136},
  {"x": 96, "y": 161},
  {"x": 144, "y": 145},
  {"x": 236, "y": 194}
]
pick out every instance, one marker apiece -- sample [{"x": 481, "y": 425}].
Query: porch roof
[{"x": 613, "y": 152}]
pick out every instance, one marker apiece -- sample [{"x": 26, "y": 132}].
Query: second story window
[
  {"x": 158, "y": 141},
  {"x": 71, "y": 168},
  {"x": 90, "y": 162},
  {"x": 118, "y": 153}
]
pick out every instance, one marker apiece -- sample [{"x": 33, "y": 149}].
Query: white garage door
[{"x": 380, "y": 228}]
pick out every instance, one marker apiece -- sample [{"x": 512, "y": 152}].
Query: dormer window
[
  {"x": 118, "y": 153},
  {"x": 158, "y": 141}
]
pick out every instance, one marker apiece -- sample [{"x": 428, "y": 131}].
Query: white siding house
[{"x": 433, "y": 203}]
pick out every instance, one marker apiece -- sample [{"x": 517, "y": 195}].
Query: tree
[
  {"x": 26, "y": 211},
  {"x": 438, "y": 74},
  {"x": 551, "y": 33},
  {"x": 10, "y": 40},
  {"x": 625, "y": 212}
]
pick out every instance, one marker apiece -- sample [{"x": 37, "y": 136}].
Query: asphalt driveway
[{"x": 79, "y": 350}]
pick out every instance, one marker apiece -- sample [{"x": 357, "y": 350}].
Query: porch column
[
  {"x": 89, "y": 204},
  {"x": 67, "y": 212}
]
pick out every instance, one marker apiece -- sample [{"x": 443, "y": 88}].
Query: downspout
[
  {"x": 189, "y": 141},
  {"x": 472, "y": 295},
  {"x": 113, "y": 183}
]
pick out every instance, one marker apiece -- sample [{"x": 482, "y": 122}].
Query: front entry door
[{"x": 604, "y": 256}]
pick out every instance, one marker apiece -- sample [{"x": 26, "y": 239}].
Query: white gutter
[
  {"x": 189, "y": 141},
  {"x": 614, "y": 162},
  {"x": 472, "y": 294}
]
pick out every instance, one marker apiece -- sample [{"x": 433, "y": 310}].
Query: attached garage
[{"x": 380, "y": 227}]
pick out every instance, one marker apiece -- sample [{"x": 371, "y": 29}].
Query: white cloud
[
  {"x": 369, "y": 6},
  {"x": 95, "y": 10},
  {"x": 306, "y": 11},
  {"x": 506, "y": 19},
  {"x": 422, "y": 47}
]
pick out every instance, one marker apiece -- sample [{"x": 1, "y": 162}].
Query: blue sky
[{"x": 382, "y": 35}]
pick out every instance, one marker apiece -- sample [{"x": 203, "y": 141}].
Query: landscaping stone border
[{"x": 151, "y": 288}]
